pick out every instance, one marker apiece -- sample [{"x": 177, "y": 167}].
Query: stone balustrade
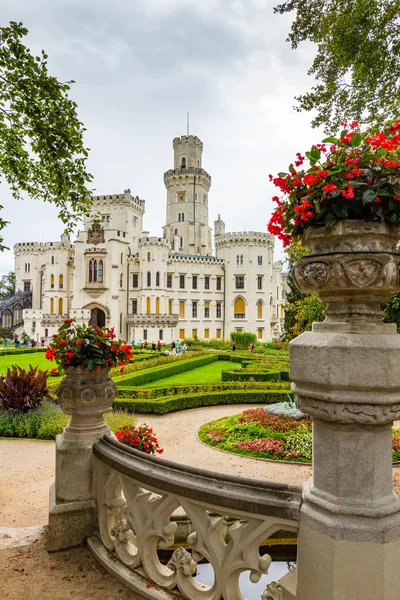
[
  {"x": 153, "y": 320},
  {"x": 137, "y": 496}
]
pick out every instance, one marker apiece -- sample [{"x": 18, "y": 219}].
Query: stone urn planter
[
  {"x": 86, "y": 396},
  {"x": 353, "y": 267}
]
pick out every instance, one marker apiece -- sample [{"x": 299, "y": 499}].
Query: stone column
[
  {"x": 73, "y": 514},
  {"x": 346, "y": 375}
]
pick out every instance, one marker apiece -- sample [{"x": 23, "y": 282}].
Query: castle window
[
  {"x": 259, "y": 261},
  {"x": 183, "y": 162},
  {"x": 207, "y": 282},
  {"x": 181, "y": 243},
  {"x": 237, "y": 259},
  {"x": 122, "y": 258},
  {"x": 52, "y": 260},
  {"x": 27, "y": 286},
  {"x": 61, "y": 282},
  {"x": 170, "y": 307},
  {"x": 241, "y": 259},
  {"x": 259, "y": 282},
  {"x": 218, "y": 310},
  {"x": 134, "y": 307},
  {"x": 157, "y": 305},
  {"x": 135, "y": 280},
  {"x": 194, "y": 310},
  {"x": 120, "y": 322},
  {"x": 60, "y": 306},
  {"x": 90, "y": 271},
  {"x": 239, "y": 281},
  {"x": 182, "y": 282},
  {"x": 207, "y": 309},
  {"x": 239, "y": 308},
  {"x": 121, "y": 281},
  {"x": 194, "y": 282},
  {"x": 161, "y": 335},
  {"x": 100, "y": 271},
  {"x": 148, "y": 257},
  {"x": 148, "y": 307},
  {"x": 183, "y": 217},
  {"x": 259, "y": 309},
  {"x": 179, "y": 217},
  {"x": 198, "y": 163},
  {"x": 95, "y": 270},
  {"x": 169, "y": 280},
  {"x": 219, "y": 283},
  {"x": 52, "y": 281},
  {"x": 181, "y": 309},
  {"x": 206, "y": 334},
  {"x": 148, "y": 279},
  {"x": 52, "y": 306},
  {"x": 158, "y": 279}
]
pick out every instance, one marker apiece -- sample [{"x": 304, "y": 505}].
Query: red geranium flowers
[{"x": 353, "y": 176}]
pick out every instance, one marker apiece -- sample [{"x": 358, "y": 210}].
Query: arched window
[
  {"x": 17, "y": 314},
  {"x": 121, "y": 280},
  {"x": 61, "y": 282},
  {"x": 237, "y": 259},
  {"x": 90, "y": 270},
  {"x": 259, "y": 261},
  {"x": 148, "y": 305},
  {"x": 241, "y": 259},
  {"x": 52, "y": 260},
  {"x": 101, "y": 271},
  {"x": 148, "y": 257},
  {"x": 60, "y": 306},
  {"x": 52, "y": 281},
  {"x": 95, "y": 270},
  {"x": 179, "y": 216},
  {"x": 148, "y": 279},
  {"x": 52, "y": 306},
  {"x": 183, "y": 162},
  {"x": 183, "y": 217},
  {"x": 122, "y": 258},
  {"x": 6, "y": 318},
  {"x": 158, "y": 279},
  {"x": 181, "y": 242},
  {"x": 239, "y": 309},
  {"x": 157, "y": 305},
  {"x": 259, "y": 309}
]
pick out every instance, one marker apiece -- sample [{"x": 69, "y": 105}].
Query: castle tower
[{"x": 188, "y": 185}]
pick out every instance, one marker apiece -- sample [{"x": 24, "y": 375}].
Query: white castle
[{"x": 152, "y": 288}]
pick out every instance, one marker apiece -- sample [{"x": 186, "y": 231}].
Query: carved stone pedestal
[
  {"x": 346, "y": 375},
  {"x": 86, "y": 397}
]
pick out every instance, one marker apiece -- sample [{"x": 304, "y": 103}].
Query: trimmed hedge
[
  {"x": 180, "y": 390},
  {"x": 21, "y": 351},
  {"x": 156, "y": 373},
  {"x": 245, "y": 376},
  {"x": 162, "y": 406}
]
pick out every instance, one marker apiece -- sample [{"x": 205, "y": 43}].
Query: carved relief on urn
[{"x": 353, "y": 267}]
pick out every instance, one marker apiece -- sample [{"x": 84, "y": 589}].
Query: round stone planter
[
  {"x": 86, "y": 396},
  {"x": 353, "y": 267}
]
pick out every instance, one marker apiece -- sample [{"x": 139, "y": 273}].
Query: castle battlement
[
  {"x": 119, "y": 198},
  {"x": 187, "y": 139},
  {"x": 152, "y": 241},
  {"x": 181, "y": 172},
  {"x": 193, "y": 258},
  {"x": 29, "y": 247},
  {"x": 244, "y": 237}
]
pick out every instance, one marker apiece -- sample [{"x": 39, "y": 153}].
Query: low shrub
[
  {"x": 20, "y": 351},
  {"x": 141, "y": 438},
  {"x": 246, "y": 375},
  {"x": 156, "y": 373},
  {"x": 48, "y": 421},
  {"x": 164, "y": 405},
  {"x": 22, "y": 390}
]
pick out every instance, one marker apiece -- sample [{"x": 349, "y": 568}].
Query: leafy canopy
[
  {"x": 42, "y": 152},
  {"x": 7, "y": 285},
  {"x": 357, "y": 64}
]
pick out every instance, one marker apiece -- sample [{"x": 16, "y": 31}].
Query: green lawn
[
  {"x": 36, "y": 359},
  {"x": 208, "y": 374}
]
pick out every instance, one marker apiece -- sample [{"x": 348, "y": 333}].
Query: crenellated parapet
[
  {"x": 108, "y": 200},
  {"x": 172, "y": 177},
  {"x": 241, "y": 238},
  {"x": 194, "y": 259}
]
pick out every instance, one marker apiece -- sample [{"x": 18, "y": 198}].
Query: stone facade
[{"x": 169, "y": 287}]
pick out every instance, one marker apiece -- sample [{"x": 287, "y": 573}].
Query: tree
[
  {"x": 357, "y": 64},
  {"x": 42, "y": 152},
  {"x": 7, "y": 285},
  {"x": 306, "y": 311}
]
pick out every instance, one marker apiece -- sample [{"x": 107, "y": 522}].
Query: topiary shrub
[{"x": 21, "y": 391}]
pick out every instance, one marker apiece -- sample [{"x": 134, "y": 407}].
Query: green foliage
[
  {"x": 42, "y": 152},
  {"x": 21, "y": 391},
  {"x": 7, "y": 283},
  {"x": 392, "y": 310},
  {"x": 243, "y": 339},
  {"x": 245, "y": 375},
  {"x": 6, "y": 333},
  {"x": 305, "y": 312},
  {"x": 48, "y": 420},
  {"x": 14, "y": 351},
  {"x": 156, "y": 373},
  {"x": 164, "y": 405},
  {"x": 357, "y": 62}
]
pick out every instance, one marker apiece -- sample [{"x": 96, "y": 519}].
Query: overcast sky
[{"x": 139, "y": 65}]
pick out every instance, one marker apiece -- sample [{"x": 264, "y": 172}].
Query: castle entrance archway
[{"x": 97, "y": 317}]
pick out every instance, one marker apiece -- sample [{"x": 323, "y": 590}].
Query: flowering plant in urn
[
  {"x": 355, "y": 176},
  {"x": 89, "y": 347}
]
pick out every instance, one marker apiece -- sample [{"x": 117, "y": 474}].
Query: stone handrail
[{"x": 230, "y": 518}]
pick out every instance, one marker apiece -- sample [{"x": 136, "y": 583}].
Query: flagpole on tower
[{"x": 187, "y": 123}]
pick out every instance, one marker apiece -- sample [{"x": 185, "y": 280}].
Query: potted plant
[
  {"x": 344, "y": 206},
  {"x": 86, "y": 354}
]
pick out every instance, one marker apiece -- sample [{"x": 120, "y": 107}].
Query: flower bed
[{"x": 261, "y": 435}]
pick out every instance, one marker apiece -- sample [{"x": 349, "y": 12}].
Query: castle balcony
[
  {"x": 49, "y": 320},
  {"x": 153, "y": 320}
]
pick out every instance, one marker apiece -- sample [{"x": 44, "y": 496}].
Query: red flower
[
  {"x": 378, "y": 200},
  {"x": 62, "y": 343},
  {"x": 70, "y": 354},
  {"x": 68, "y": 321},
  {"x": 78, "y": 344},
  {"x": 54, "y": 372},
  {"x": 396, "y": 197},
  {"x": 122, "y": 370},
  {"x": 50, "y": 354}
]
